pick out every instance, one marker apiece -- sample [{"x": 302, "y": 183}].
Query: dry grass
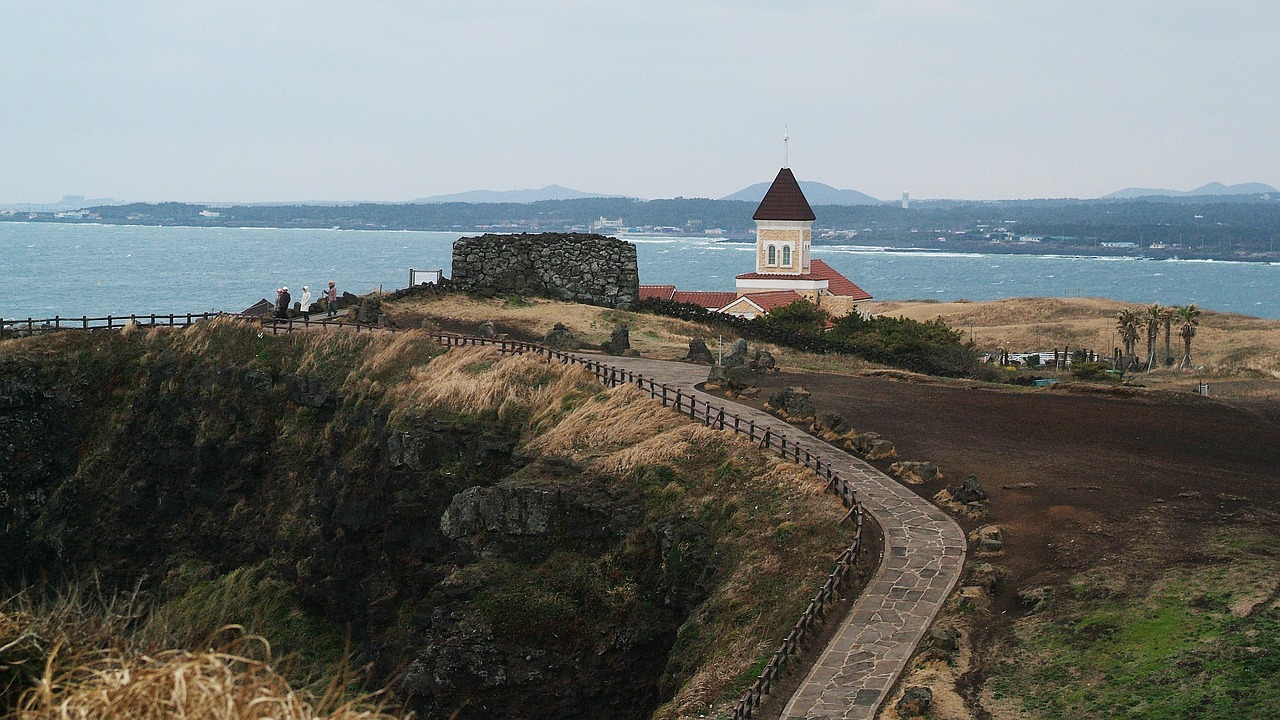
[
  {"x": 618, "y": 421},
  {"x": 1226, "y": 344},
  {"x": 653, "y": 335},
  {"x": 482, "y": 381},
  {"x": 85, "y": 655},
  {"x": 237, "y": 683}
]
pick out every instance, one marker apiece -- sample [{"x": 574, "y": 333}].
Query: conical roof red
[{"x": 784, "y": 201}]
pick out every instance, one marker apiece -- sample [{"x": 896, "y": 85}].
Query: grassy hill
[{"x": 489, "y": 535}]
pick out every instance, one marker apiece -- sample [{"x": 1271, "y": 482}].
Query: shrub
[
  {"x": 929, "y": 347},
  {"x": 1091, "y": 371}
]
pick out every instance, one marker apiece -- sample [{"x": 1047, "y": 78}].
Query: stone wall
[{"x": 578, "y": 267}]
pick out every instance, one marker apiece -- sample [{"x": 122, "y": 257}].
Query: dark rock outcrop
[
  {"x": 737, "y": 354},
  {"x": 915, "y": 701},
  {"x": 561, "y": 338},
  {"x": 969, "y": 491},
  {"x": 619, "y": 341},
  {"x": 793, "y": 403},
  {"x": 699, "y": 352}
]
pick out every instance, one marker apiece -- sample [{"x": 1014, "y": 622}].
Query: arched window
[
  {"x": 786, "y": 256},
  {"x": 772, "y": 256}
]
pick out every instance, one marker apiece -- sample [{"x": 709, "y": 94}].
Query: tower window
[
  {"x": 786, "y": 256},
  {"x": 772, "y": 256}
]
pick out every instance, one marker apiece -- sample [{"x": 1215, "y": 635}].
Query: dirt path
[{"x": 924, "y": 554}]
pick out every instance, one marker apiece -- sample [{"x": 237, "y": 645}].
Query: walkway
[{"x": 923, "y": 556}]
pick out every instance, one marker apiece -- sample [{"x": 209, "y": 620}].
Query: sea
[{"x": 75, "y": 270}]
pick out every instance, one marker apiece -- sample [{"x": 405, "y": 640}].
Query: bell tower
[{"x": 784, "y": 228}]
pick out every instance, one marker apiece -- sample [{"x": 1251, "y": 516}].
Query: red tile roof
[
  {"x": 773, "y": 299},
  {"x": 837, "y": 284},
  {"x": 709, "y": 299},
  {"x": 784, "y": 200},
  {"x": 662, "y": 292}
]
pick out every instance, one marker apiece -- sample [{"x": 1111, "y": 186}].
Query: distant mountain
[
  {"x": 550, "y": 192},
  {"x": 1213, "y": 188},
  {"x": 815, "y": 192}
]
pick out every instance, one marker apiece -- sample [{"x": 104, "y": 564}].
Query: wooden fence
[
  {"x": 713, "y": 415},
  {"x": 684, "y": 402},
  {"x": 32, "y": 326}
]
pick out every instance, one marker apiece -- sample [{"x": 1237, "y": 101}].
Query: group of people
[{"x": 283, "y": 300}]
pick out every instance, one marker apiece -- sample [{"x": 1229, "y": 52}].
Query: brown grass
[
  {"x": 237, "y": 683},
  {"x": 1226, "y": 344},
  {"x": 653, "y": 335},
  {"x": 482, "y": 381},
  {"x": 84, "y": 654}
]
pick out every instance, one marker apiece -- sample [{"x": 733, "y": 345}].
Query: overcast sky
[{"x": 277, "y": 100}]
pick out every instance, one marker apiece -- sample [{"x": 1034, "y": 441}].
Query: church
[{"x": 785, "y": 272}]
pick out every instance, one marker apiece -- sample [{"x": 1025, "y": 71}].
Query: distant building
[
  {"x": 784, "y": 233},
  {"x": 785, "y": 271}
]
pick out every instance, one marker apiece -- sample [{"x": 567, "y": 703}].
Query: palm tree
[
  {"x": 1127, "y": 324},
  {"x": 1152, "y": 322},
  {"x": 1188, "y": 319},
  {"x": 1170, "y": 313}
]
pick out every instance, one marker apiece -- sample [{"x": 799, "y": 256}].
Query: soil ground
[{"x": 1076, "y": 476}]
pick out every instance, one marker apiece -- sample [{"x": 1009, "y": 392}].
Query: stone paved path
[{"x": 923, "y": 556}]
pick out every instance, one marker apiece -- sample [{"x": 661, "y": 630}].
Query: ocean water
[{"x": 70, "y": 270}]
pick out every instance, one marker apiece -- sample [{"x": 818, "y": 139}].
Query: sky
[{"x": 392, "y": 100}]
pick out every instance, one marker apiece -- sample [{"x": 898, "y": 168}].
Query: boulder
[
  {"x": 829, "y": 422},
  {"x": 370, "y": 310},
  {"x": 486, "y": 329},
  {"x": 984, "y": 575},
  {"x": 945, "y": 639},
  {"x": 699, "y": 352},
  {"x": 969, "y": 491},
  {"x": 988, "y": 538},
  {"x": 737, "y": 354},
  {"x": 763, "y": 361},
  {"x": 915, "y": 701},
  {"x": 619, "y": 341},
  {"x": 793, "y": 403},
  {"x": 740, "y": 378},
  {"x": 973, "y": 597},
  {"x": 871, "y": 446},
  {"x": 561, "y": 338},
  {"x": 915, "y": 473},
  {"x": 881, "y": 449}
]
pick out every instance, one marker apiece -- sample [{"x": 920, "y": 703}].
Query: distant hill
[
  {"x": 815, "y": 192},
  {"x": 1213, "y": 188},
  {"x": 550, "y": 192}
]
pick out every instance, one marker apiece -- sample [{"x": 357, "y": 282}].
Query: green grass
[{"x": 1173, "y": 649}]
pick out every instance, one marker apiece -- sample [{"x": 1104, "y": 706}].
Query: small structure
[
  {"x": 784, "y": 233},
  {"x": 785, "y": 271}
]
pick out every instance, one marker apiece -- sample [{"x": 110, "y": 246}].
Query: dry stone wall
[{"x": 578, "y": 267}]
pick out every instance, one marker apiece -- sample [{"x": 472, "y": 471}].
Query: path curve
[{"x": 924, "y": 553}]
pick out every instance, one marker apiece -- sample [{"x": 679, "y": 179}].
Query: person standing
[
  {"x": 331, "y": 299},
  {"x": 306, "y": 301},
  {"x": 282, "y": 303}
]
